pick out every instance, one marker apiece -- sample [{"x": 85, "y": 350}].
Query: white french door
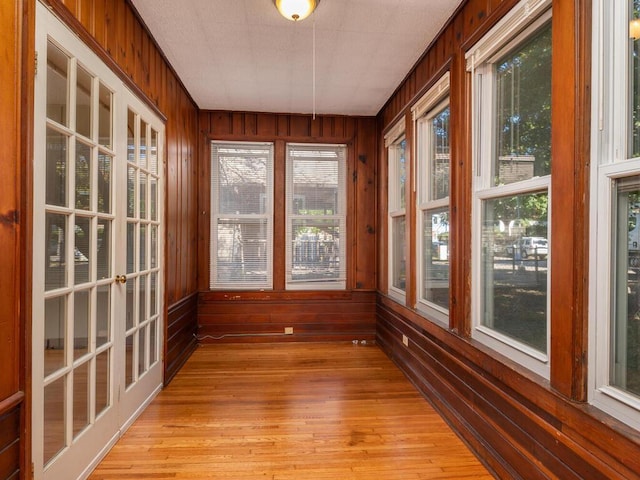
[{"x": 98, "y": 272}]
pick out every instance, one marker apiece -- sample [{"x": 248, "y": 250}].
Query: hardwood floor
[{"x": 290, "y": 411}]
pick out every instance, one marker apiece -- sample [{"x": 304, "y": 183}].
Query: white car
[{"x": 529, "y": 247}]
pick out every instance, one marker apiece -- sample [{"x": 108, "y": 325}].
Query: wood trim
[{"x": 11, "y": 402}]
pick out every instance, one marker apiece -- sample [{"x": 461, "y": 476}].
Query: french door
[{"x": 97, "y": 275}]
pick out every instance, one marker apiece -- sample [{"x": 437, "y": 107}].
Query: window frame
[
  {"x": 216, "y": 214},
  {"x": 425, "y": 110},
  {"x": 341, "y": 217},
  {"x": 522, "y": 23},
  {"x": 612, "y": 161},
  {"x": 396, "y": 211}
]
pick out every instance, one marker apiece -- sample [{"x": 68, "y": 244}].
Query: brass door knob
[{"x": 121, "y": 278}]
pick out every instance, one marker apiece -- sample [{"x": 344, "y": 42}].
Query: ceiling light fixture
[{"x": 296, "y": 9}]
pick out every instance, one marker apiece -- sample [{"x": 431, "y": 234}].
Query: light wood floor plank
[{"x": 290, "y": 412}]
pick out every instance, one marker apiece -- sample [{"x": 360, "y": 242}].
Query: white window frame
[
  {"x": 609, "y": 147},
  {"x": 523, "y": 21},
  {"x": 340, "y": 216},
  {"x": 216, "y": 215},
  {"x": 432, "y": 103},
  {"x": 391, "y": 140}
]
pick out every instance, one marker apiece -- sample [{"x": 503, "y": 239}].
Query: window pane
[
  {"x": 82, "y": 250},
  {"x": 315, "y": 251},
  {"x": 57, "y": 166},
  {"x": 436, "y": 257},
  {"x": 634, "y": 93},
  {"x": 54, "y": 418},
  {"x": 55, "y": 272},
  {"x": 515, "y": 271},
  {"x": 523, "y": 120},
  {"x": 82, "y": 314},
  {"x": 80, "y": 398},
  {"x": 242, "y": 255},
  {"x": 102, "y": 382},
  {"x": 397, "y": 155},
  {"x": 103, "y": 315},
  {"x": 242, "y": 179},
  {"x": 399, "y": 253},
  {"x": 625, "y": 328},
  {"x": 83, "y": 102},
  {"x": 440, "y": 155},
  {"x": 103, "y": 263},
  {"x": 57, "y": 91},
  {"x": 83, "y": 176},
  {"x": 104, "y": 116},
  {"x": 104, "y": 182},
  {"x": 55, "y": 324},
  {"x": 315, "y": 183}
]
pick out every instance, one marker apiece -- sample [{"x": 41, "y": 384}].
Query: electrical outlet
[
  {"x": 288, "y": 330},
  {"x": 405, "y": 340}
]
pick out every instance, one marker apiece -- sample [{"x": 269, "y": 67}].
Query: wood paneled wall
[
  {"x": 113, "y": 29},
  {"x": 524, "y": 426},
  {"x": 314, "y": 315}
]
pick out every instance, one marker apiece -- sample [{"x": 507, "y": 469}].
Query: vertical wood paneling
[{"x": 125, "y": 44}]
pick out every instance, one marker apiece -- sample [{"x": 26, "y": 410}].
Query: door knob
[{"x": 121, "y": 278}]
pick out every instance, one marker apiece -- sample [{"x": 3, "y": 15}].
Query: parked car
[{"x": 529, "y": 247}]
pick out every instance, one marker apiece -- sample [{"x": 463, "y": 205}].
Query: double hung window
[
  {"x": 431, "y": 115},
  {"x": 397, "y": 153},
  {"x": 511, "y": 70},
  {"x": 615, "y": 221},
  {"x": 316, "y": 217},
  {"x": 241, "y": 215}
]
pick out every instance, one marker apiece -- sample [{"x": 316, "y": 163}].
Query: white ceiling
[{"x": 242, "y": 55}]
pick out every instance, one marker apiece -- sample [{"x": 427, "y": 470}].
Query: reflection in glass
[
  {"x": 83, "y": 176},
  {"x": 523, "y": 120},
  {"x": 153, "y": 339},
  {"x": 103, "y": 261},
  {"x": 104, "y": 116},
  {"x": 131, "y": 137},
  {"x": 55, "y": 321},
  {"x": 57, "y": 86},
  {"x": 142, "y": 312},
  {"x": 55, "y": 272},
  {"x": 399, "y": 268},
  {"x": 515, "y": 270},
  {"x": 128, "y": 364},
  {"x": 130, "y": 315},
  {"x": 131, "y": 191},
  {"x": 82, "y": 314},
  {"x": 103, "y": 370},
  {"x": 440, "y": 155},
  {"x": 57, "y": 165},
  {"x": 103, "y": 315},
  {"x": 153, "y": 153},
  {"x": 105, "y": 163},
  {"x": 80, "y": 398},
  {"x": 633, "y": 95},
  {"x": 238, "y": 168},
  {"x": 435, "y": 269},
  {"x": 142, "y": 187},
  {"x": 625, "y": 328},
  {"x": 131, "y": 246},
  {"x": 83, "y": 102},
  {"x": 153, "y": 201},
  {"x": 153, "y": 294},
  {"x": 143, "y": 247},
  {"x": 154, "y": 246},
  {"x": 143, "y": 144},
  {"x": 141, "y": 350},
  {"x": 54, "y": 424},
  {"x": 82, "y": 250},
  {"x": 398, "y": 151}
]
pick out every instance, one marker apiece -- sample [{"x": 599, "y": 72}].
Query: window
[
  {"x": 241, "y": 215},
  {"x": 615, "y": 238},
  {"x": 316, "y": 216},
  {"x": 431, "y": 115},
  {"x": 511, "y": 69},
  {"x": 396, "y": 145}
]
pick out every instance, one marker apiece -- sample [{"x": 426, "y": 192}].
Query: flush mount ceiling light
[{"x": 296, "y": 9}]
